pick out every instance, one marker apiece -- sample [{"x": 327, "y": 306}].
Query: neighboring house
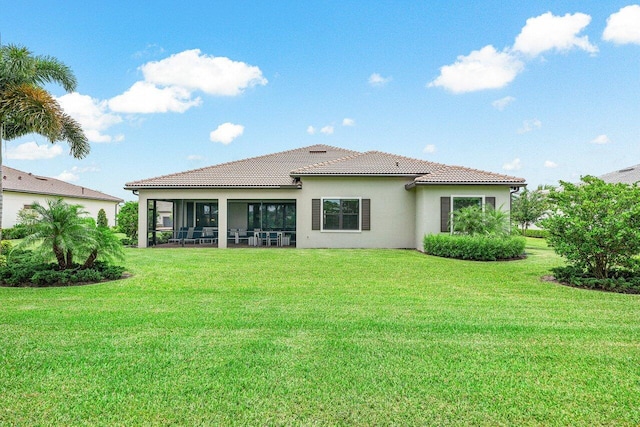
[
  {"x": 629, "y": 175},
  {"x": 324, "y": 197},
  {"x": 21, "y": 189}
]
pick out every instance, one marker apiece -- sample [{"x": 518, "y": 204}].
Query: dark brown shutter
[
  {"x": 315, "y": 214},
  {"x": 366, "y": 214},
  {"x": 445, "y": 210},
  {"x": 490, "y": 201}
]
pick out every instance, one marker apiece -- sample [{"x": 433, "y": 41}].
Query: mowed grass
[{"x": 320, "y": 337}]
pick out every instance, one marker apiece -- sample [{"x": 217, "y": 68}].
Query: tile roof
[
  {"x": 270, "y": 171},
  {"x": 628, "y": 175},
  {"x": 462, "y": 175},
  {"x": 25, "y": 182},
  {"x": 370, "y": 163},
  {"x": 282, "y": 169}
]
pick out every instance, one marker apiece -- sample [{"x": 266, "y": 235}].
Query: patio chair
[
  {"x": 273, "y": 237},
  {"x": 209, "y": 235},
  {"x": 196, "y": 234},
  {"x": 181, "y": 234}
]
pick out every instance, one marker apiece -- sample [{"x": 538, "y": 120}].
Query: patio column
[
  {"x": 143, "y": 234},
  {"x": 222, "y": 222}
]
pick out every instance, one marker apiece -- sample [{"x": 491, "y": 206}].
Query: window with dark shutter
[
  {"x": 366, "y": 214},
  {"x": 315, "y": 214},
  {"x": 490, "y": 201},
  {"x": 445, "y": 210}
]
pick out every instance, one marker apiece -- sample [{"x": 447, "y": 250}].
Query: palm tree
[
  {"x": 26, "y": 107},
  {"x": 60, "y": 230}
]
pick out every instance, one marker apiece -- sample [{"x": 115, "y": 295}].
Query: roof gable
[{"x": 25, "y": 182}]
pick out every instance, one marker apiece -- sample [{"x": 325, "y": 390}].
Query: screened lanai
[{"x": 249, "y": 222}]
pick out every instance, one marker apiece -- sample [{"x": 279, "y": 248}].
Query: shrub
[
  {"x": 474, "y": 220},
  {"x": 128, "y": 219},
  {"x": 25, "y": 269},
  {"x": 620, "y": 280},
  {"x": 16, "y": 232},
  {"x": 537, "y": 234},
  {"x": 595, "y": 225},
  {"x": 477, "y": 248},
  {"x": 102, "y": 221}
]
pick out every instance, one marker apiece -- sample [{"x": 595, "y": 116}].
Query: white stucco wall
[
  {"x": 428, "y": 204},
  {"x": 13, "y": 202}
]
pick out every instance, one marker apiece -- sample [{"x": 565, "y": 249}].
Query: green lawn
[{"x": 320, "y": 337}]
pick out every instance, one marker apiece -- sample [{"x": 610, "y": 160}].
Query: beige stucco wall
[
  {"x": 392, "y": 213},
  {"x": 399, "y": 218},
  {"x": 13, "y": 202},
  {"x": 428, "y": 204}
]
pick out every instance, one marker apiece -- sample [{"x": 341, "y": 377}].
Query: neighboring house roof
[
  {"x": 628, "y": 175},
  {"x": 283, "y": 170},
  {"x": 25, "y": 182}
]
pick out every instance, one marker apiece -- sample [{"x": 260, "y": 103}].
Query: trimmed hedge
[
  {"x": 24, "y": 269},
  {"x": 477, "y": 248},
  {"x": 17, "y": 232},
  {"x": 622, "y": 281},
  {"x": 537, "y": 234}
]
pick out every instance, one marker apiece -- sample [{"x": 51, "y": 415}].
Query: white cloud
[
  {"x": 549, "y": 164},
  {"x": 226, "y": 132},
  {"x": 91, "y": 114},
  {"x": 348, "y": 122},
  {"x": 624, "y": 26},
  {"x": 501, "y": 104},
  {"x": 530, "y": 125},
  {"x": 327, "y": 130},
  {"x": 68, "y": 176},
  {"x": 85, "y": 169},
  {"x": 549, "y": 32},
  {"x": 513, "y": 165},
  {"x": 219, "y": 76},
  {"x": 430, "y": 148},
  {"x": 145, "y": 97},
  {"x": 601, "y": 140},
  {"x": 481, "y": 69},
  {"x": 194, "y": 157},
  {"x": 311, "y": 130},
  {"x": 377, "y": 80},
  {"x": 33, "y": 151}
]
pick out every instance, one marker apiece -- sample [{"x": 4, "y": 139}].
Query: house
[
  {"x": 20, "y": 189},
  {"x": 323, "y": 197},
  {"x": 629, "y": 175}
]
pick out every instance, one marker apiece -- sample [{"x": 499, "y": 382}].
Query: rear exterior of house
[
  {"x": 320, "y": 197},
  {"x": 22, "y": 189}
]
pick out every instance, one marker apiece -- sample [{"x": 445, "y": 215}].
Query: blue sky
[{"x": 543, "y": 90}]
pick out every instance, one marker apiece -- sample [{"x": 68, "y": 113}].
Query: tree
[
  {"x": 528, "y": 207},
  {"x": 474, "y": 220},
  {"x": 26, "y": 107},
  {"x": 103, "y": 244},
  {"x": 60, "y": 231},
  {"x": 595, "y": 225},
  {"x": 128, "y": 220},
  {"x": 102, "y": 221}
]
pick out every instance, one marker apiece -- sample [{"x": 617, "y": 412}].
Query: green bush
[
  {"x": 537, "y": 234},
  {"x": 620, "y": 280},
  {"x": 477, "y": 248},
  {"x": 17, "y": 232},
  {"x": 25, "y": 269}
]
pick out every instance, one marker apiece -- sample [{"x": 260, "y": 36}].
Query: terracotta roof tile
[{"x": 24, "y": 182}]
